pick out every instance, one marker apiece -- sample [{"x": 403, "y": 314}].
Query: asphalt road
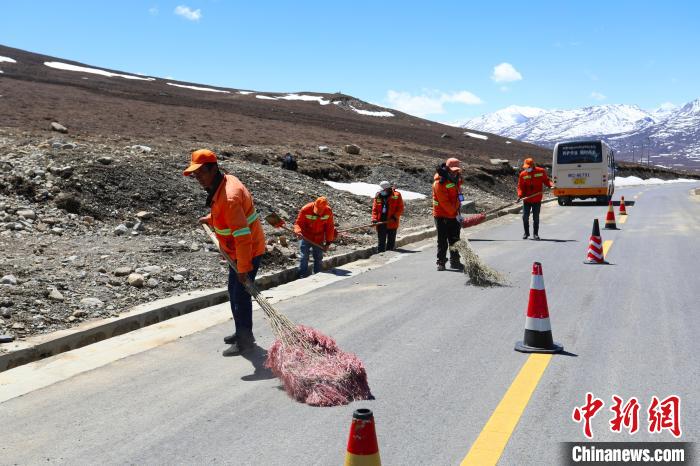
[{"x": 439, "y": 355}]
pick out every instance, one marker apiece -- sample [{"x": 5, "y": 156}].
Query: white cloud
[
  {"x": 431, "y": 102},
  {"x": 505, "y": 73},
  {"x": 188, "y": 13},
  {"x": 598, "y": 96},
  {"x": 153, "y": 10},
  {"x": 505, "y": 88}
]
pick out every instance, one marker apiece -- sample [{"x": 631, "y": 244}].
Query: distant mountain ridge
[{"x": 666, "y": 136}]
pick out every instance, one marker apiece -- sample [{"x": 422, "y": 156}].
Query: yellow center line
[
  {"x": 492, "y": 440},
  {"x": 607, "y": 244},
  {"x": 622, "y": 219}
]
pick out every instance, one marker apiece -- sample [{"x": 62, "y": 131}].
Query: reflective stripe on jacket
[
  {"x": 236, "y": 223},
  {"x": 533, "y": 182},
  {"x": 446, "y": 202},
  {"x": 394, "y": 204},
  {"x": 315, "y": 226}
]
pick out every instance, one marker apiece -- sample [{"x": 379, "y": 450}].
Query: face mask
[
  {"x": 384, "y": 193},
  {"x": 529, "y": 169}
]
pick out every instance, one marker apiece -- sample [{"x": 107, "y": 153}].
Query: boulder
[
  {"x": 55, "y": 126},
  {"x": 352, "y": 149},
  {"x": 136, "y": 280}
]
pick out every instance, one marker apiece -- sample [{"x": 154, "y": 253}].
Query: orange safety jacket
[
  {"x": 533, "y": 182},
  {"x": 236, "y": 223},
  {"x": 446, "y": 203},
  {"x": 315, "y": 226},
  {"x": 394, "y": 206}
]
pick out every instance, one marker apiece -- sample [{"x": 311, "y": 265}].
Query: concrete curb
[{"x": 43, "y": 346}]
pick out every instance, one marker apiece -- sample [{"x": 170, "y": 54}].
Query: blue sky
[{"x": 445, "y": 61}]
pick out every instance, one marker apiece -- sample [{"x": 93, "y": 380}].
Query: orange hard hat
[
  {"x": 529, "y": 162},
  {"x": 199, "y": 158},
  {"x": 320, "y": 204},
  {"x": 453, "y": 164}
]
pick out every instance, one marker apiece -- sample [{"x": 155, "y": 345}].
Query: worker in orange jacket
[
  {"x": 314, "y": 224},
  {"x": 447, "y": 202},
  {"x": 239, "y": 231},
  {"x": 531, "y": 182},
  {"x": 387, "y": 207}
]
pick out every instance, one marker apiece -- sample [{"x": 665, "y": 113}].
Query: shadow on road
[
  {"x": 552, "y": 240},
  {"x": 339, "y": 272},
  {"x": 566, "y": 353},
  {"x": 257, "y": 357},
  {"x": 405, "y": 251}
]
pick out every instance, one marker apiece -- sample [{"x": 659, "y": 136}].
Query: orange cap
[
  {"x": 453, "y": 164},
  {"x": 199, "y": 158},
  {"x": 320, "y": 204},
  {"x": 529, "y": 162}
]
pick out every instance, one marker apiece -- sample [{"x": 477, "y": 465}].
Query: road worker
[
  {"x": 447, "y": 201},
  {"x": 314, "y": 224},
  {"x": 239, "y": 231},
  {"x": 387, "y": 207},
  {"x": 531, "y": 183}
]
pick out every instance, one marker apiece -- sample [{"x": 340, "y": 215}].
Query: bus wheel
[
  {"x": 561, "y": 200},
  {"x": 602, "y": 200}
]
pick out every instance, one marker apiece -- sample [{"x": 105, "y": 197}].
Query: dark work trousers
[
  {"x": 448, "y": 230},
  {"x": 241, "y": 303},
  {"x": 386, "y": 237},
  {"x": 535, "y": 208}
]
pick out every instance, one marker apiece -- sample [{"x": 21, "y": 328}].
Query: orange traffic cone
[
  {"x": 623, "y": 210},
  {"x": 595, "y": 246},
  {"x": 538, "y": 332},
  {"x": 362, "y": 443},
  {"x": 610, "y": 218}
]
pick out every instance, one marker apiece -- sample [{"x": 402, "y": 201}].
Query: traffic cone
[
  {"x": 610, "y": 218},
  {"x": 623, "y": 210},
  {"x": 362, "y": 443},
  {"x": 595, "y": 246},
  {"x": 538, "y": 332}
]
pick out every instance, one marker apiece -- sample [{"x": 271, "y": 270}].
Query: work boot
[
  {"x": 536, "y": 237},
  {"x": 231, "y": 339},
  {"x": 526, "y": 235},
  {"x": 243, "y": 341},
  {"x": 441, "y": 266},
  {"x": 456, "y": 264}
]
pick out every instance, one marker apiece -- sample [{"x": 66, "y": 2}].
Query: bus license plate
[{"x": 579, "y": 181}]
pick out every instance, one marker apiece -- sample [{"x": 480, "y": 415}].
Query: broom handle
[
  {"x": 512, "y": 203},
  {"x": 302, "y": 236},
  {"x": 362, "y": 226},
  {"x": 248, "y": 285}
]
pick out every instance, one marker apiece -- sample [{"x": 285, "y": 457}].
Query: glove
[
  {"x": 394, "y": 218},
  {"x": 374, "y": 221}
]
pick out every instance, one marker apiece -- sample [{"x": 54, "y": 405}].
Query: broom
[
  {"x": 479, "y": 273},
  {"x": 312, "y": 368}
]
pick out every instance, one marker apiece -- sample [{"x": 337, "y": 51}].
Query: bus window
[{"x": 580, "y": 153}]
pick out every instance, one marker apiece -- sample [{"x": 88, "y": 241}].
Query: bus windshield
[{"x": 580, "y": 152}]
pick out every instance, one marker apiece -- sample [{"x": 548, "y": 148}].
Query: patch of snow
[
  {"x": 474, "y": 135},
  {"x": 265, "y": 97},
  {"x": 245, "y": 92},
  {"x": 371, "y": 113},
  {"x": 370, "y": 190},
  {"x": 84, "y": 69},
  {"x": 306, "y": 98},
  {"x": 7, "y": 59},
  {"x": 208, "y": 89},
  {"x": 636, "y": 181},
  {"x": 508, "y": 142}
]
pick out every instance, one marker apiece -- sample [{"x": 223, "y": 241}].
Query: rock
[
  {"x": 136, "y": 280},
  {"x": 68, "y": 202},
  {"x": 5, "y": 312},
  {"x": 129, "y": 224},
  {"x": 55, "y": 126},
  {"x": 386, "y": 156},
  {"x": 68, "y": 146},
  {"x": 194, "y": 247},
  {"x": 56, "y": 231},
  {"x": 90, "y": 302},
  {"x": 283, "y": 241},
  {"x": 445, "y": 136},
  {"x": 323, "y": 149},
  {"x": 139, "y": 226},
  {"x": 149, "y": 269},
  {"x": 178, "y": 278},
  {"x": 142, "y": 149},
  {"x": 152, "y": 283},
  {"x": 78, "y": 313},
  {"x": 182, "y": 271},
  {"x": 6, "y": 338},
  {"x": 144, "y": 215},
  {"x": 55, "y": 295},
  {"x": 352, "y": 149},
  {"x": 8, "y": 280},
  {"x": 115, "y": 282},
  {"x": 105, "y": 160},
  {"x": 120, "y": 230},
  {"x": 6, "y": 302},
  {"x": 29, "y": 214},
  {"x": 18, "y": 326},
  {"x": 102, "y": 270},
  {"x": 122, "y": 271}
]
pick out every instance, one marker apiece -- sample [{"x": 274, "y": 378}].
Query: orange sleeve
[
  {"x": 330, "y": 227},
  {"x": 300, "y": 222},
  {"x": 520, "y": 185},
  {"x": 399, "y": 210},
  {"x": 236, "y": 220},
  {"x": 376, "y": 209}
]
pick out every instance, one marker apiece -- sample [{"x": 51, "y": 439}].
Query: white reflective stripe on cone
[
  {"x": 593, "y": 243},
  {"x": 595, "y": 254},
  {"x": 538, "y": 325},
  {"x": 537, "y": 282}
]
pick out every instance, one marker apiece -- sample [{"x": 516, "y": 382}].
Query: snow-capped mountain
[{"x": 671, "y": 135}]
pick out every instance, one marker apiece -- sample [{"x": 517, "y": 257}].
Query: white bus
[{"x": 582, "y": 170}]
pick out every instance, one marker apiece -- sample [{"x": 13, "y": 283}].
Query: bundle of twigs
[
  {"x": 310, "y": 365},
  {"x": 479, "y": 273}
]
